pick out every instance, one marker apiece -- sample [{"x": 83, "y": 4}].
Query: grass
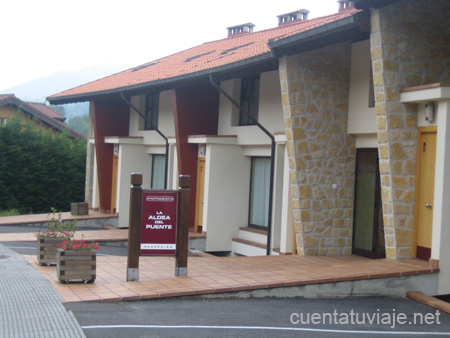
[{"x": 11, "y": 212}]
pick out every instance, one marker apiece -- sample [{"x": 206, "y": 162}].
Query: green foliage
[
  {"x": 56, "y": 227},
  {"x": 59, "y": 109},
  {"x": 12, "y": 212},
  {"x": 38, "y": 169},
  {"x": 79, "y": 123}
]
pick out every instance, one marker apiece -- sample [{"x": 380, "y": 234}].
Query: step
[
  {"x": 253, "y": 235},
  {"x": 248, "y": 248}
]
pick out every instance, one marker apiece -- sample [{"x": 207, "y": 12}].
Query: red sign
[{"x": 159, "y": 222}]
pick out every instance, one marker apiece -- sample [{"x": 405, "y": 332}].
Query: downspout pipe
[
  {"x": 272, "y": 155},
  {"x": 156, "y": 129}
]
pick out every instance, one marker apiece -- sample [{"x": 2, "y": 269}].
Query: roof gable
[
  {"x": 42, "y": 112},
  {"x": 46, "y": 110}
]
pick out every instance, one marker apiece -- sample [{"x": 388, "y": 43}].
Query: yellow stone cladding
[{"x": 321, "y": 154}]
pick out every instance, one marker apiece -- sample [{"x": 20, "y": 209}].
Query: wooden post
[
  {"x": 182, "y": 247},
  {"x": 134, "y": 230}
]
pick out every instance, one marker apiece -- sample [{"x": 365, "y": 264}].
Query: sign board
[{"x": 159, "y": 222}]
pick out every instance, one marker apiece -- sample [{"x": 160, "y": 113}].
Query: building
[
  {"x": 39, "y": 112},
  {"x": 324, "y": 136}
]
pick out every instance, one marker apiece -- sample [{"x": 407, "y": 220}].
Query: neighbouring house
[
  {"x": 50, "y": 119},
  {"x": 324, "y": 136}
]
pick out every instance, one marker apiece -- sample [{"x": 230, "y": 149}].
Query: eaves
[
  {"x": 167, "y": 82},
  {"x": 279, "y": 46}
]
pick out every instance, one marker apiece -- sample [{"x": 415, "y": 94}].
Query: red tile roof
[
  {"x": 46, "y": 110},
  {"x": 42, "y": 112},
  {"x": 208, "y": 56}
]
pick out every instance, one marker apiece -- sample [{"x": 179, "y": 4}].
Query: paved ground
[
  {"x": 30, "y": 306},
  {"x": 212, "y": 274}
]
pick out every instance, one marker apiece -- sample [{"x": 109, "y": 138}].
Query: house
[
  {"x": 325, "y": 136},
  {"x": 49, "y": 118}
]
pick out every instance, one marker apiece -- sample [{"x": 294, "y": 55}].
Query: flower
[
  {"x": 78, "y": 245},
  {"x": 53, "y": 234},
  {"x": 56, "y": 227}
]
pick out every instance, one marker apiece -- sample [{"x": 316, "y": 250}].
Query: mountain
[{"x": 37, "y": 90}]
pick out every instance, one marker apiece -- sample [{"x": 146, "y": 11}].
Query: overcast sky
[{"x": 42, "y": 37}]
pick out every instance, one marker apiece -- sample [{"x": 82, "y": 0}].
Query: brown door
[
  {"x": 200, "y": 194},
  {"x": 114, "y": 184},
  {"x": 426, "y": 161}
]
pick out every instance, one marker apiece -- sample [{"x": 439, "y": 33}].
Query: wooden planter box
[
  {"x": 47, "y": 249},
  {"x": 76, "y": 265},
  {"x": 80, "y": 208}
]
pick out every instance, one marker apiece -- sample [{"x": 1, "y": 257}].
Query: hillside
[{"x": 37, "y": 90}]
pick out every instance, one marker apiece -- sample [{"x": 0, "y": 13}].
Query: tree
[
  {"x": 38, "y": 169},
  {"x": 59, "y": 109},
  {"x": 79, "y": 123}
]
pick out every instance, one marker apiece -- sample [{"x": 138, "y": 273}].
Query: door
[
  {"x": 423, "y": 220},
  {"x": 114, "y": 183},
  {"x": 368, "y": 229},
  {"x": 199, "y": 204}
]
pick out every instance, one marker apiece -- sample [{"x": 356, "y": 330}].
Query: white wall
[
  {"x": 361, "y": 118},
  {"x": 132, "y": 158},
  {"x": 227, "y": 186},
  {"x": 166, "y": 122},
  {"x": 278, "y": 195},
  {"x": 270, "y": 110},
  {"x": 287, "y": 222},
  {"x": 441, "y": 211},
  {"x": 95, "y": 189},
  {"x": 366, "y": 141}
]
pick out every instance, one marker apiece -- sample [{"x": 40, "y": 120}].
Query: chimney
[
  {"x": 244, "y": 28},
  {"x": 302, "y": 14},
  {"x": 344, "y": 4}
]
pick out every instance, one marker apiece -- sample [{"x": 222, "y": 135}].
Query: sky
[{"x": 43, "y": 37}]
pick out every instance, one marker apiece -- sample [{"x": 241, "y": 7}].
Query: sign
[{"x": 159, "y": 222}]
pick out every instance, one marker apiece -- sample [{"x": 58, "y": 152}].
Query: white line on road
[{"x": 261, "y": 328}]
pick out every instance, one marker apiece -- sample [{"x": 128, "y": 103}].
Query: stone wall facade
[
  {"x": 410, "y": 46},
  {"x": 315, "y": 93}
]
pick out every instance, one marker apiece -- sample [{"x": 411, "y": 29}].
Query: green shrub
[{"x": 38, "y": 169}]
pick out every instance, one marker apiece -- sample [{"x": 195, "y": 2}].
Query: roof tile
[{"x": 209, "y": 55}]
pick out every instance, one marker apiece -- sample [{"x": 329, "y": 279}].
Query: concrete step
[
  {"x": 248, "y": 248},
  {"x": 253, "y": 235}
]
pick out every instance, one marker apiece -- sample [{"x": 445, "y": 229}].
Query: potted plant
[
  {"x": 76, "y": 260},
  {"x": 48, "y": 241}
]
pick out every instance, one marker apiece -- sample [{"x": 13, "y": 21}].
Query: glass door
[{"x": 368, "y": 230}]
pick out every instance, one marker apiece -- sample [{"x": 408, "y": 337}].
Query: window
[
  {"x": 3, "y": 121},
  {"x": 259, "y": 192},
  {"x": 249, "y": 100},
  {"x": 151, "y": 111},
  {"x": 158, "y": 171}
]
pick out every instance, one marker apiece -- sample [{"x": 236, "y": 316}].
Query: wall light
[{"x": 429, "y": 112}]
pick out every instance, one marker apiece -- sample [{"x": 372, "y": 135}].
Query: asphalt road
[{"x": 268, "y": 317}]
